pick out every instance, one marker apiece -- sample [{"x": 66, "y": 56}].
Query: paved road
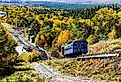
[{"x": 50, "y": 75}]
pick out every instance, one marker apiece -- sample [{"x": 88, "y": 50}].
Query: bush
[
  {"x": 30, "y": 56},
  {"x": 94, "y": 68}
]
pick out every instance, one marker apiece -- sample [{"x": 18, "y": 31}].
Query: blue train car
[{"x": 75, "y": 48}]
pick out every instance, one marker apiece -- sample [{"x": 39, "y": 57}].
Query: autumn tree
[
  {"x": 112, "y": 34},
  {"x": 7, "y": 50},
  {"x": 64, "y": 36}
]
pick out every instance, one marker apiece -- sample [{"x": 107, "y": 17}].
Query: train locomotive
[{"x": 75, "y": 48}]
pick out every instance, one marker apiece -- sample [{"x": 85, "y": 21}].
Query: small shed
[
  {"x": 31, "y": 31},
  {"x": 31, "y": 34},
  {"x": 2, "y": 13}
]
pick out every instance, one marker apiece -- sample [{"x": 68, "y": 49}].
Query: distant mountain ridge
[
  {"x": 58, "y": 5},
  {"x": 66, "y": 1}
]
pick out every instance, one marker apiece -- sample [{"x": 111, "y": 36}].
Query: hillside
[
  {"x": 108, "y": 46},
  {"x": 23, "y": 72},
  {"x": 105, "y": 70}
]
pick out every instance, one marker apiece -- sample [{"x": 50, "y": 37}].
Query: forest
[{"x": 54, "y": 28}]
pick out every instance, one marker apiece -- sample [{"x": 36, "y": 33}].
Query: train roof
[
  {"x": 74, "y": 42},
  {"x": 31, "y": 29},
  {"x": 79, "y": 41},
  {"x": 2, "y": 12}
]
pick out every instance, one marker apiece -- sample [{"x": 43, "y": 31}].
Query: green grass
[
  {"x": 23, "y": 76},
  {"x": 23, "y": 66},
  {"x": 23, "y": 73}
]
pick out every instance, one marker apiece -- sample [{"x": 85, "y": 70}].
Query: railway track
[
  {"x": 96, "y": 56},
  {"x": 105, "y": 55},
  {"x": 27, "y": 45}
]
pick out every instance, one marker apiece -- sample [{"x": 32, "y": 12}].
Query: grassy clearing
[
  {"x": 105, "y": 46},
  {"x": 23, "y": 73},
  {"x": 98, "y": 69}
]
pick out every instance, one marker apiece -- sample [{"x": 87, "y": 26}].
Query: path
[{"x": 50, "y": 75}]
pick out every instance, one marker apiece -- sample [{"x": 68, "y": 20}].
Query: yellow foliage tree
[
  {"x": 56, "y": 22},
  {"x": 90, "y": 39},
  {"x": 64, "y": 36},
  {"x": 29, "y": 56},
  {"x": 112, "y": 34}
]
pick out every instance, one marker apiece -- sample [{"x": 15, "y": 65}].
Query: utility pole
[{"x": 16, "y": 19}]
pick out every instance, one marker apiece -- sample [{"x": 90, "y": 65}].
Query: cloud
[{"x": 106, "y": 1}]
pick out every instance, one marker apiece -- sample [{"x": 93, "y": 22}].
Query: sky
[{"x": 77, "y": 1}]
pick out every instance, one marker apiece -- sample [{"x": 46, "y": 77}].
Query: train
[{"x": 75, "y": 48}]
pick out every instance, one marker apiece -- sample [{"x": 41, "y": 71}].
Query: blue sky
[
  {"x": 77, "y": 1},
  {"x": 74, "y": 1}
]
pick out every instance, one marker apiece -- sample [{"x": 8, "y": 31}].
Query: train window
[
  {"x": 83, "y": 46},
  {"x": 75, "y": 45},
  {"x": 75, "y": 50}
]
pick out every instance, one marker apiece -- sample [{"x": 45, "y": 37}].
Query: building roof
[{"x": 2, "y": 13}]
